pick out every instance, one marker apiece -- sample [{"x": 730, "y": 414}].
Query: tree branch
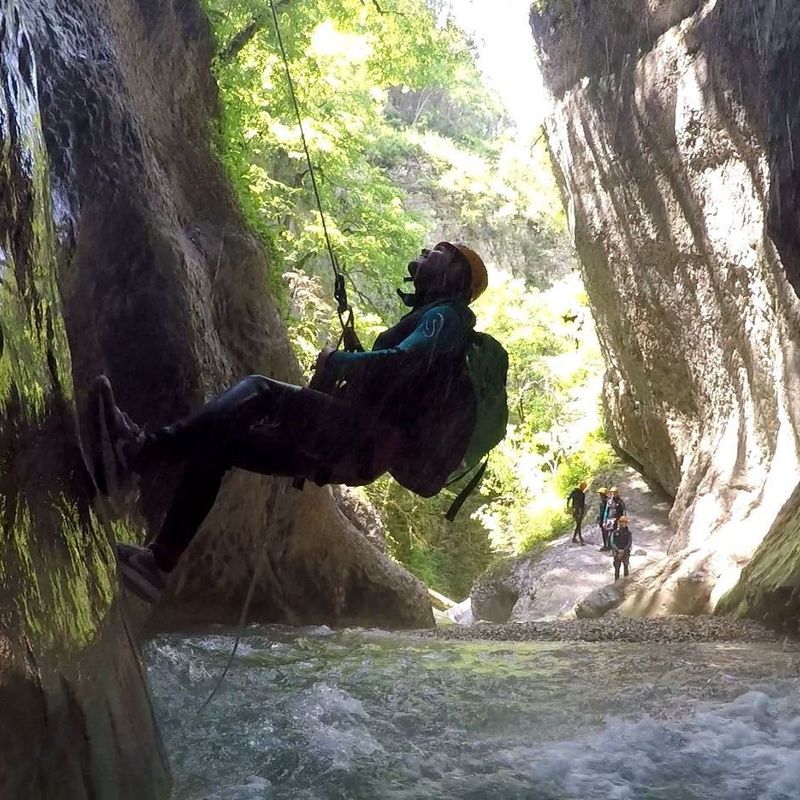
[
  {"x": 361, "y": 296},
  {"x": 235, "y": 45},
  {"x": 245, "y": 35}
]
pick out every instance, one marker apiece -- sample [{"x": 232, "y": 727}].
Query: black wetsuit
[
  {"x": 577, "y": 505},
  {"x": 379, "y": 411},
  {"x": 601, "y": 518},
  {"x": 621, "y": 541}
]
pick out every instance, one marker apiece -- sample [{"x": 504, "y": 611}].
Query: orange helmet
[{"x": 479, "y": 278}]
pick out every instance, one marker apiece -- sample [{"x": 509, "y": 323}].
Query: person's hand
[{"x": 322, "y": 358}]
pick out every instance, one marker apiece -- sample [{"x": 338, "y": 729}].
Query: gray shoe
[
  {"x": 140, "y": 572},
  {"x": 116, "y": 439}
]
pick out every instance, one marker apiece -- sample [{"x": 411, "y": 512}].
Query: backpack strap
[{"x": 455, "y": 507}]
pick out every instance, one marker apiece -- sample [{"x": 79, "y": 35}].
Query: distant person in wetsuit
[
  {"x": 621, "y": 541},
  {"x": 602, "y": 510},
  {"x": 615, "y": 508},
  {"x": 576, "y": 504}
]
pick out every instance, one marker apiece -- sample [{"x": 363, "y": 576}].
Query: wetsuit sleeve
[{"x": 440, "y": 330}]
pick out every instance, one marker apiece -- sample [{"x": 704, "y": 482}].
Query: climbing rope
[
  {"x": 246, "y": 607},
  {"x": 348, "y": 338},
  {"x": 343, "y": 309}
]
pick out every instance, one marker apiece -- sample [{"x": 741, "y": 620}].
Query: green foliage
[
  {"x": 344, "y": 58},
  {"x": 448, "y": 556},
  {"x": 595, "y": 462},
  {"x": 592, "y": 461},
  {"x": 501, "y": 197}
]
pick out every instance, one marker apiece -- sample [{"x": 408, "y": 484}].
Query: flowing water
[{"x": 311, "y": 714}]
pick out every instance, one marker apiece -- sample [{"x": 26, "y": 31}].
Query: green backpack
[{"x": 487, "y": 369}]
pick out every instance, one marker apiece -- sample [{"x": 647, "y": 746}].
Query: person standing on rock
[
  {"x": 408, "y": 407},
  {"x": 576, "y": 505},
  {"x": 602, "y": 511},
  {"x": 616, "y": 507},
  {"x": 621, "y": 541}
]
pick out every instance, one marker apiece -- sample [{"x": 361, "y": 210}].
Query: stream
[{"x": 312, "y": 714}]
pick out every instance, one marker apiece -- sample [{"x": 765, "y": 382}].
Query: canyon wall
[
  {"x": 675, "y": 134},
  {"x": 76, "y": 717}
]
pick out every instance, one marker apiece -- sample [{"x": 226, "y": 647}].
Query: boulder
[
  {"x": 495, "y": 593},
  {"x": 601, "y": 600},
  {"x": 493, "y": 601},
  {"x": 664, "y": 588}
]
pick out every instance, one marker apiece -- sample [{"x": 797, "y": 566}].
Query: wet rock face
[
  {"x": 76, "y": 719},
  {"x": 675, "y": 134},
  {"x": 769, "y": 588},
  {"x": 602, "y": 38}
]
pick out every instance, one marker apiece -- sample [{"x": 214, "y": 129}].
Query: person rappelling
[{"x": 425, "y": 404}]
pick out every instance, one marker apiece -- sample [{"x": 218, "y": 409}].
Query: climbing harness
[{"x": 343, "y": 308}]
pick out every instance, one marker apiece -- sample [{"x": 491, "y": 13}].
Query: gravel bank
[{"x": 617, "y": 628}]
